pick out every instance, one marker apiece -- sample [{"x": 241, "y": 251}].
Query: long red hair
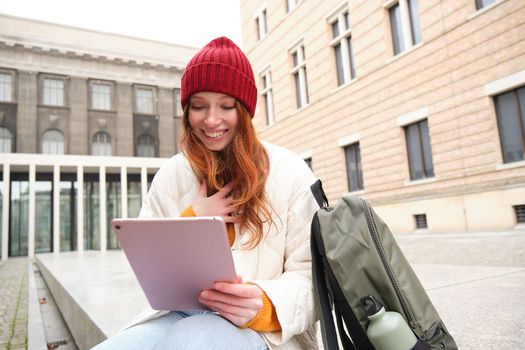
[{"x": 244, "y": 161}]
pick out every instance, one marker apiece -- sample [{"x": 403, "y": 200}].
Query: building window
[
  {"x": 419, "y": 150},
  {"x": 101, "y": 144},
  {"x": 519, "y": 212},
  {"x": 299, "y": 74},
  {"x": 5, "y": 140},
  {"x": 53, "y": 92},
  {"x": 262, "y": 25},
  {"x": 52, "y": 142},
  {"x": 176, "y": 99},
  {"x": 6, "y": 87},
  {"x": 268, "y": 96},
  {"x": 101, "y": 96},
  {"x": 291, "y": 4},
  {"x": 144, "y": 100},
  {"x": 404, "y": 22},
  {"x": 421, "y": 221},
  {"x": 510, "y": 110},
  {"x": 354, "y": 172},
  {"x": 145, "y": 146},
  {"x": 342, "y": 44},
  {"x": 483, "y": 3}
]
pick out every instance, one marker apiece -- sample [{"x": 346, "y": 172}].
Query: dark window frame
[
  {"x": 354, "y": 177},
  {"x": 519, "y": 213},
  {"x": 421, "y": 221},
  {"x": 481, "y": 5},
  {"x": 519, "y": 121},
  {"x": 425, "y": 157}
]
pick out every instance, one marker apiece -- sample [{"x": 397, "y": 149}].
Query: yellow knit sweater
[{"x": 266, "y": 320}]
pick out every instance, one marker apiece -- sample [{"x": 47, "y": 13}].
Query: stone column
[
  {"x": 124, "y": 125},
  {"x": 167, "y": 136},
  {"x": 26, "y": 140},
  {"x": 78, "y": 123}
]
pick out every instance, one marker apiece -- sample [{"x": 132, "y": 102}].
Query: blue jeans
[{"x": 185, "y": 331}]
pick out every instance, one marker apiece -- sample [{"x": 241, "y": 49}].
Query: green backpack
[{"x": 355, "y": 255}]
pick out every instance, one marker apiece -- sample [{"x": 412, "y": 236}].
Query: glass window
[
  {"x": 134, "y": 195},
  {"x": 397, "y": 31},
  {"x": 299, "y": 73},
  {"x": 145, "y": 146},
  {"x": 68, "y": 215},
  {"x": 5, "y": 140},
  {"x": 101, "y": 145},
  {"x": 44, "y": 216},
  {"x": 268, "y": 97},
  {"x": 18, "y": 221},
  {"x": 510, "y": 110},
  {"x": 113, "y": 210},
  {"x": 291, "y": 4},
  {"x": 342, "y": 45},
  {"x": 262, "y": 27},
  {"x": 6, "y": 87},
  {"x": 144, "y": 100},
  {"x": 91, "y": 212},
  {"x": 353, "y": 167},
  {"x": 483, "y": 3},
  {"x": 53, "y": 92},
  {"x": 419, "y": 150},
  {"x": 404, "y": 24},
  {"x": 52, "y": 142},
  {"x": 415, "y": 28},
  {"x": 101, "y": 96}
]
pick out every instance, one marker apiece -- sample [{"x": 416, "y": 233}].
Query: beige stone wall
[{"x": 462, "y": 51}]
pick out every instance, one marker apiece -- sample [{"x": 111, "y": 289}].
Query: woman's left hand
[{"x": 237, "y": 302}]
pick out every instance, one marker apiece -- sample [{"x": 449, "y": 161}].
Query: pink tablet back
[{"x": 174, "y": 259}]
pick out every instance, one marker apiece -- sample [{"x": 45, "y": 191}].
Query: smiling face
[{"x": 213, "y": 118}]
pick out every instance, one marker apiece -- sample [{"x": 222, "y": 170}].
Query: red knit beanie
[{"x": 220, "y": 66}]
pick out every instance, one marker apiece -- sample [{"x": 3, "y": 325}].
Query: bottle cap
[{"x": 371, "y": 305}]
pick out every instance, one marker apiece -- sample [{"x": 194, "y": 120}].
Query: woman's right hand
[{"x": 217, "y": 204}]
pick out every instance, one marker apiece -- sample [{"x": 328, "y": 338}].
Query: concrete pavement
[
  {"x": 13, "y": 304},
  {"x": 475, "y": 280},
  {"x": 477, "y": 283}
]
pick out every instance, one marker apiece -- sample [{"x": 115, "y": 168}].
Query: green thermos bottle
[{"x": 387, "y": 330}]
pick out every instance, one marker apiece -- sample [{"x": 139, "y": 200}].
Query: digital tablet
[{"x": 174, "y": 259}]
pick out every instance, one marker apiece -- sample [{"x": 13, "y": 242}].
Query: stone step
[{"x": 96, "y": 292}]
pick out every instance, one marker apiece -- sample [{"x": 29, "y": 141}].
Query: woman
[{"x": 263, "y": 193}]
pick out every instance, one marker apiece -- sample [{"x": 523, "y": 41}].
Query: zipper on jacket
[{"x": 400, "y": 295}]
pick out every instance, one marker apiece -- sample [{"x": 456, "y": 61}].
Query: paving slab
[
  {"x": 476, "y": 282},
  {"x": 13, "y": 303}
]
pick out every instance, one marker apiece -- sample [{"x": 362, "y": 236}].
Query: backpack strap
[
  {"x": 345, "y": 339},
  {"x": 319, "y": 195},
  {"x": 323, "y": 300}
]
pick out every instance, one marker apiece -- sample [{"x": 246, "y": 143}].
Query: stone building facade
[
  {"x": 82, "y": 83},
  {"x": 417, "y": 106},
  {"x": 86, "y": 119}
]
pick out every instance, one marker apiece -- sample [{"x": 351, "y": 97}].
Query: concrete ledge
[
  {"x": 95, "y": 291},
  {"x": 472, "y": 282},
  {"x": 35, "y": 327}
]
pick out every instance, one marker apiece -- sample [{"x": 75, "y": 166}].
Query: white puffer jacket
[{"x": 281, "y": 263}]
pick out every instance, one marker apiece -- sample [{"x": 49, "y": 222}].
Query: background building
[
  {"x": 418, "y": 106},
  {"x": 80, "y": 108}
]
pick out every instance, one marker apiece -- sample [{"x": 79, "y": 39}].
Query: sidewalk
[
  {"x": 475, "y": 280},
  {"x": 13, "y": 304}
]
